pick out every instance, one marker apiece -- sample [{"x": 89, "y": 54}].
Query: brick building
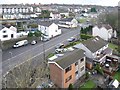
[{"x": 67, "y": 69}]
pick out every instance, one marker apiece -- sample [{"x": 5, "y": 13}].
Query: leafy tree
[
  {"x": 99, "y": 69},
  {"x": 109, "y": 18},
  {"x": 71, "y": 14},
  {"x": 30, "y": 34},
  {"x": 85, "y": 37},
  {"x": 87, "y": 75},
  {"x": 33, "y": 25},
  {"x": 70, "y": 87},
  {"x": 36, "y": 34},
  {"x": 45, "y": 13},
  {"x": 82, "y": 30},
  {"x": 93, "y": 9}
]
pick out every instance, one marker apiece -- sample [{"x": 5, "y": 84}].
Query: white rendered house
[
  {"x": 68, "y": 23},
  {"x": 104, "y": 31},
  {"x": 8, "y": 33},
  {"x": 50, "y": 29},
  {"x": 95, "y": 48}
]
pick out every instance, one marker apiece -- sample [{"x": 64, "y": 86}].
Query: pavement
[{"x": 15, "y": 57}]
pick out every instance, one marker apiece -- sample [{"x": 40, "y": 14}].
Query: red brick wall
[{"x": 56, "y": 75}]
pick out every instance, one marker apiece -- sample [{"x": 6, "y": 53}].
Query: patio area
[{"x": 110, "y": 66}]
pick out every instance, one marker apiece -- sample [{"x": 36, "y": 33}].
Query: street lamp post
[
  {"x": 43, "y": 50},
  {"x": 10, "y": 57},
  {"x": 11, "y": 54}
]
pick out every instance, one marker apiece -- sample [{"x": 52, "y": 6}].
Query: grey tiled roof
[
  {"x": 45, "y": 23},
  {"x": 107, "y": 26},
  {"x": 67, "y": 19},
  {"x": 70, "y": 58},
  {"x": 94, "y": 44}
]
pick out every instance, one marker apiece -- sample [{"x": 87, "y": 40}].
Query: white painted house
[
  {"x": 55, "y": 15},
  {"x": 8, "y": 33},
  {"x": 64, "y": 13},
  {"x": 95, "y": 48},
  {"x": 50, "y": 29},
  {"x": 104, "y": 31},
  {"x": 68, "y": 23}
]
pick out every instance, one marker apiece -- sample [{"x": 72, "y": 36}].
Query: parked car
[
  {"x": 60, "y": 45},
  {"x": 71, "y": 39},
  {"x": 59, "y": 50},
  {"x": 20, "y": 43},
  {"x": 45, "y": 39},
  {"x": 33, "y": 42}
]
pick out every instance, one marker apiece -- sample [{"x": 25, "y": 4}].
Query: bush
[
  {"x": 33, "y": 25},
  {"x": 50, "y": 55},
  {"x": 70, "y": 87},
  {"x": 99, "y": 69},
  {"x": 84, "y": 36},
  {"x": 87, "y": 75}
]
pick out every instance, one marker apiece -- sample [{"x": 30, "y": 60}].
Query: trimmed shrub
[{"x": 85, "y": 37}]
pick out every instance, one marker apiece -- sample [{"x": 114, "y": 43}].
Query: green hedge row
[{"x": 85, "y": 37}]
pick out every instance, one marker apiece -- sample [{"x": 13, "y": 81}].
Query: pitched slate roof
[
  {"x": 55, "y": 12},
  {"x": 45, "y": 23},
  {"x": 67, "y": 19},
  {"x": 95, "y": 43},
  {"x": 71, "y": 58},
  {"x": 107, "y": 26}
]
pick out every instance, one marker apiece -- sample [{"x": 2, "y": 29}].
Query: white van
[{"x": 20, "y": 43}]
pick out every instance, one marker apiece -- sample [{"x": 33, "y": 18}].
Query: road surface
[{"x": 22, "y": 54}]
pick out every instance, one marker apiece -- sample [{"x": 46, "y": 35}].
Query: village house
[
  {"x": 49, "y": 28},
  {"x": 65, "y": 13},
  {"x": 13, "y": 11},
  {"x": 55, "y": 15},
  {"x": 104, "y": 31},
  {"x": 68, "y": 23},
  {"x": 8, "y": 33},
  {"x": 67, "y": 69},
  {"x": 96, "y": 49}
]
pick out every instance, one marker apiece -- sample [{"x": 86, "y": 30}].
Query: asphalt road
[{"x": 14, "y": 57}]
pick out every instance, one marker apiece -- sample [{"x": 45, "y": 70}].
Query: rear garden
[
  {"x": 113, "y": 46},
  {"x": 117, "y": 75},
  {"x": 89, "y": 84}
]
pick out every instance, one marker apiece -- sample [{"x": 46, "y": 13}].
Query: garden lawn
[
  {"x": 72, "y": 44},
  {"x": 82, "y": 20},
  {"x": 89, "y": 84},
  {"x": 117, "y": 75},
  {"x": 113, "y": 46},
  {"x": 50, "y": 55}
]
